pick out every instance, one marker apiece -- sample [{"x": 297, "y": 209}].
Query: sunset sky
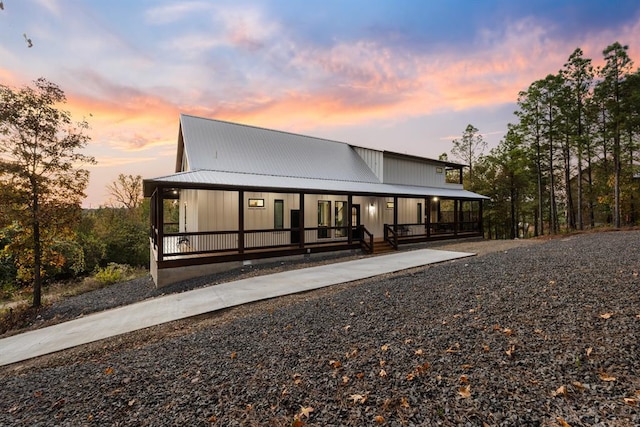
[{"x": 404, "y": 76}]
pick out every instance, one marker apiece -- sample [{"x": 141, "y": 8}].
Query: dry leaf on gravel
[
  {"x": 305, "y": 411},
  {"x": 606, "y": 377},
  {"x": 560, "y": 391},
  {"x": 563, "y": 423},
  {"x": 606, "y": 315},
  {"x": 465, "y": 391},
  {"x": 358, "y": 398}
]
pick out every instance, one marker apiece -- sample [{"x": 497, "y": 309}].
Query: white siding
[
  {"x": 374, "y": 159},
  {"x": 413, "y": 172}
]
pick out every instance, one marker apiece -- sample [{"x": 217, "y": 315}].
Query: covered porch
[{"x": 194, "y": 225}]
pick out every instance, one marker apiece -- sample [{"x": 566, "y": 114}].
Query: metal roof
[
  {"x": 230, "y": 147},
  {"x": 257, "y": 182}
]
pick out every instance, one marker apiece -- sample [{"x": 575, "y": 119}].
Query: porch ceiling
[{"x": 208, "y": 179}]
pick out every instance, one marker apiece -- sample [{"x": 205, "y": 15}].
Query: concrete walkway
[{"x": 172, "y": 307}]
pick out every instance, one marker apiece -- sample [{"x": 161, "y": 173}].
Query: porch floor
[{"x": 172, "y": 307}]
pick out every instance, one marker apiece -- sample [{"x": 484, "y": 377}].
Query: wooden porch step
[{"x": 381, "y": 247}]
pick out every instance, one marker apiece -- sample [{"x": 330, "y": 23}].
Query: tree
[
  {"x": 469, "y": 149},
  {"x": 618, "y": 65},
  {"x": 126, "y": 191},
  {"x": 39, "y": 159}
]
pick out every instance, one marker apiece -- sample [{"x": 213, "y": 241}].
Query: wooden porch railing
[
  {"x": 391, "y": 236},
  {"x": 366, "y": 240}
]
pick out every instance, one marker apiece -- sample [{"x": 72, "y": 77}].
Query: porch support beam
[
  {"x": 427, "y": 217},
  {"x": 456, "y": 219},
  {"x": 349, "y": 219},
  {"x": 241, "y": 221},
  {"x": 160, "y": 222},
  {"x": 480, "y": 223},
  {"x": 395, "y": 213},
  {"x": 301, "y": 196}
]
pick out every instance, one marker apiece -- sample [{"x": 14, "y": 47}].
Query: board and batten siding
[
  {"x": 374, "y": 159},
  {"x": 412, "y": 172}
]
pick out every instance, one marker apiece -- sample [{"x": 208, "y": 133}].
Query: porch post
[
  {"x": 160, "y": 219},
  {"x": 480, "y": 222},
  {"x": 456, "y": 218},
  {"x": 241, "y": 221},
  {"x": 395, "y": 213},
  {"x": 428, "y": 221},
  {"x": 349, "y": 219},
  {"x": 301, "y": 220}
]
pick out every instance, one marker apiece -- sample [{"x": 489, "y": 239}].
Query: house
[{"x": 241, "y": 193}]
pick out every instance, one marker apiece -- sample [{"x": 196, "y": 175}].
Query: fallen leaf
[
  {"x": 606, "y": 315},
  {"x": 485, "y": 347},
  {"x": 212, "y": 419},
  {"x": 419, "y": 352},
  {"x": 508, "y": 331},
  {"x": 404, "y": 402},
  {"x": 563, "y": 423},
  {"x": 382, "y": 363},
  {"x": 383, "y": 373},
  {"x": 422, "y": 368},
  {"x": 297, "y": 422},
  {"x": 466, "y": 366},
  {"x": 352, "y": 353},
  {"x": 589, "y": 351},
  {"x": 496, "y": 327},
  {"x": 410, "y": 376},
  {"x": 638, "y": 316},
  {"x": 345, "y": 379},
  {"x": 606, "y": 377},
  {"x": 358, "y": 398},
  {"x": 578, "y": 385},
  {"x": 451, "y": 350},
  {"x": 360, "y": 375},
  {"x": 561, "y": 391},
  {"x": 384, "y": 347},
  {"x": 408, "y": 341},
  {"x": 108, "y": 371},
  {"x": 132, "y": 402},
  {"x": 511, "y": 350},
  {"x": 631, "y": 401},
  {"x": 234, "y": 355},
  {"x": 297, "y": 379},
  {"x": 552, "y": 282},
  {"x": 538, "y": 331},
  {"x": 305, "y": 411},
  {"x": 335, "y": 364},
  {"x": 379, "y": 419},
  {"x": 465, "y": 391},
  {"x": 464, "y": 379}
]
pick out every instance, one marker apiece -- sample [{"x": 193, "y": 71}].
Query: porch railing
[
  {"x": 366, "y": 240},
  {"x": 391, "y": 236}
]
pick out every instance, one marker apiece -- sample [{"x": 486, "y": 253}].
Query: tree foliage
[
  {"x": 570, "y": 160},
  {"x": 42, "y": 182}
]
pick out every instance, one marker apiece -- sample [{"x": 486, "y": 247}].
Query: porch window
[
  {"x": 278, "y": 214},
  {"x": 324, "y": 218},
  {"x": 256, "y": 203},
  {"x": 341, "y": 219}
]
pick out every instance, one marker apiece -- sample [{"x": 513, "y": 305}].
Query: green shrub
[{"x": 113, "y": 273}]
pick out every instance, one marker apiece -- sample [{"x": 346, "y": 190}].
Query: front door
[{"x": 355, "y": 222}]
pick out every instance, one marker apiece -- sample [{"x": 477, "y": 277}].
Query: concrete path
[{"x": 172, "y": 307}]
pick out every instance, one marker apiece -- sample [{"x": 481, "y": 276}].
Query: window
[
  {"x": 324, "y": 218},
  {"x": 439, "y": 170},
  {"x": 341, "y": 219},
  {"x": 389, "y": 205},
  {"x": 256, "y": 203},
  {"x": 278, "y": 214}
]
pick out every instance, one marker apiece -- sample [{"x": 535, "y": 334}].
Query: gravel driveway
[{"x": 544, "y": 333}]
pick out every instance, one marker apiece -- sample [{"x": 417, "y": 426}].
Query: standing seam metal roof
[{"x": 229, "y": 147}]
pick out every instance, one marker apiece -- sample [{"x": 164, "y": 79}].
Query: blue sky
[{"x": 404, "y": 76}]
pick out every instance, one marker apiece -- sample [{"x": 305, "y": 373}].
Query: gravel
[{"x": 542, "y": 334}]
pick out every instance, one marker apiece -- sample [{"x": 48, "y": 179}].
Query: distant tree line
[{"x": 570, "y": 161}]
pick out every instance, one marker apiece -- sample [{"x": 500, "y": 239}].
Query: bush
[{"x": 113, "y": 273}]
